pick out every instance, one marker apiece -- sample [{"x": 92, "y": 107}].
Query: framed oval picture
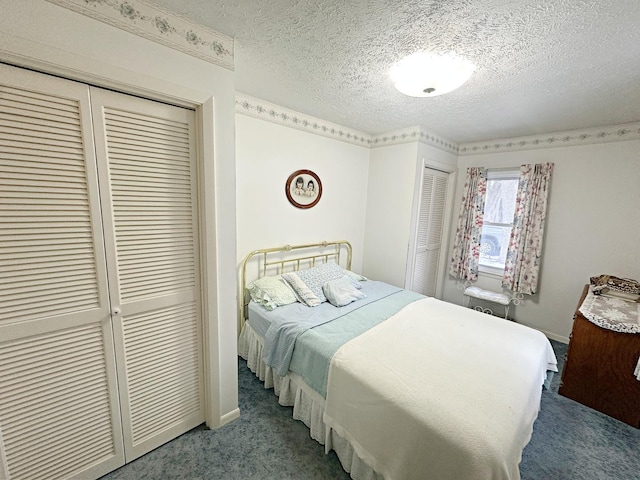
[{"x": 303, "y": 189}]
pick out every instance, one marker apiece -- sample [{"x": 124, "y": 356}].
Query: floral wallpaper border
[
  {"x": 159, "y": 25},
  {"x": 413, "y": 134},
  {"x": 257, "y": 108},
  {"x": 254, "y": 107},
  {"x": 612, "y": 133}
]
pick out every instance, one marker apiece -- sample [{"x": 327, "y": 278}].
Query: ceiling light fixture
[{"x": 425, "y": 74}]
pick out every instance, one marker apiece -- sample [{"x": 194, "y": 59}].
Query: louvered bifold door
[
  {"x": 429, "y": 231},
  {"x": 59, "y": 415},
  {"x": 146, "y": 156}
]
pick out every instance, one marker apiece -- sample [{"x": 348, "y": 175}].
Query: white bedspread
[{"x": 439, "y": 392}]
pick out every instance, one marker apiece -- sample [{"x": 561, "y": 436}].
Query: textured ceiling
[{"x": 542, "y": 66}]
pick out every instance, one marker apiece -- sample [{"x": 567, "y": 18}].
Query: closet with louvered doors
[
  {"x": 429, "y": 229},
  {"x": 100, "y": 356},
  {"x": 146, "y": 156}
]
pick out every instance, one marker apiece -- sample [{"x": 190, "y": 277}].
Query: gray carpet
[{"x": 569, "y": 442}]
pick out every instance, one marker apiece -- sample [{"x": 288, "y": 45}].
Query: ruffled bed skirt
[{"x": 308, "y": 405}]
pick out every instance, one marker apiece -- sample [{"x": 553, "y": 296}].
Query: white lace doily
[{"x": 611, "y": 313}]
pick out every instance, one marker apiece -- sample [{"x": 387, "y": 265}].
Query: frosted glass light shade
[{"x": 424, "y": 74}]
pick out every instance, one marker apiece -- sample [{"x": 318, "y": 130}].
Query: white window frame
[{"x": 510, "y": 173}]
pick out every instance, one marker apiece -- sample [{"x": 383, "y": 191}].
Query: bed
[{"x": 400, "y": 385}]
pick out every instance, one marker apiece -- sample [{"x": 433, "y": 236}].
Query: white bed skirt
[{"x": 308, "y": 405}]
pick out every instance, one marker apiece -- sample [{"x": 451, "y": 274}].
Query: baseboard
[
  {"x": 557, "y": 338},
  {"x": 230, "y": 417}
]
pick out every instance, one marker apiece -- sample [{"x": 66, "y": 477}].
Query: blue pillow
[
  {"x": 307, "y": 284},
  {"x": 302, "y": 292},
  {"x": 315, "y": 278}
]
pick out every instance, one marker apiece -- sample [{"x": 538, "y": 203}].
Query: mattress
[
  {"x": 262, "y": 319},
  {"x": 360, "y": 438},
  {"x": 453, "y": 390}
]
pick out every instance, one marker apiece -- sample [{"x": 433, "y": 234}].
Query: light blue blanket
[
  {"x": 315, "y": 348},
  {"x": 294, "y": 326}
]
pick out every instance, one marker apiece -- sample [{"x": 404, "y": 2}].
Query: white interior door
[
  {"x": 428, "y": 242},
  {"x": 146, "y": 155},
  {"x": 59, "y": 413}
]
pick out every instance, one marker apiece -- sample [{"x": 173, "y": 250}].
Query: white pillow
[
  {"x": 341, "y": 292},
  {"x": 271, "y": 292}
]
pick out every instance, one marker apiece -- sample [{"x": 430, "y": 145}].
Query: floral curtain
[
  {"x": 466, "y": 248},
  {"x": 525, "y": 245}
]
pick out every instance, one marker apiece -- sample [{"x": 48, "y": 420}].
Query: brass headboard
[{"x": 277, "y": 260}]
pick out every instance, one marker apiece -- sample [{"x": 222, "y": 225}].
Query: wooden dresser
[{"x": 599, "y": 369}]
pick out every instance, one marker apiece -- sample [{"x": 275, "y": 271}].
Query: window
[
  {"x": 510, "y": 250},
  {"x": 499, "y": 209}
]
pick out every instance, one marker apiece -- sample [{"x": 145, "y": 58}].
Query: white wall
[
  {"x": 266, "y": 154},
  {"x": 393, "y": 171},
  {"x": 52, "y": 39},
  {"x": 592, "y": 226}
]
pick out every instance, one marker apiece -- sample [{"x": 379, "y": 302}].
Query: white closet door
[
  {"x": 59, "y": 414},
  {"x": 429, "y": 231},
  {"x": 146, "y": 155}
]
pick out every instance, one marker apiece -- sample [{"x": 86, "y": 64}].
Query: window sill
[{"x": 496, "y": 274}]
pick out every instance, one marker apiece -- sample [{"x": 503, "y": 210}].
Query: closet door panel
[
  {"x": 59, "y": 411},
  {"x": 429, "y": 231},
  {"x": 146, "y": 154}
]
